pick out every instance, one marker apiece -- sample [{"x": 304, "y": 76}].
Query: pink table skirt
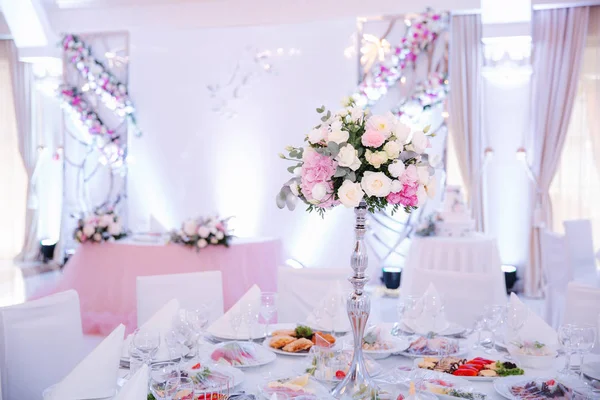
[{"x": 105, "y": 274}]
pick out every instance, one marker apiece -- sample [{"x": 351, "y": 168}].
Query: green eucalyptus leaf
[
  {"x": 339, "y": 172},
  {"x": 334, "y": 148},
  {"x": 321, "y": 109},
  {"x": 351, "y": 176}
]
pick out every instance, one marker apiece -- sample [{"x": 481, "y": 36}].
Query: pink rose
[
  {"x": 406, "y": 197},
  {"x": 373, "y": 138},
  {"x": 410, "y": 175}
]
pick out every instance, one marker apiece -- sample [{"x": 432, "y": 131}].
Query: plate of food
[
  {"x": 522, "y": 388},
  {"x": 294, "y": 387},
  {"x": 423, "y": 347},
  {"x": 211, "y": 377},
  {"x": 379, "y": 343},
  {"x": 533, "y": 354},
  {"x": 241, "y": 355},
  {"x": 475, "y": 369},
  {"x": 449, "y": 329},
  {"x": 442, "y": 385},
  {"x": 297, "y": 341},
  {"x": 330, "y": 366}
]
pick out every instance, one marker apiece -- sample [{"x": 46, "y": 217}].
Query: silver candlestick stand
[{"x": 357, "y": 383}]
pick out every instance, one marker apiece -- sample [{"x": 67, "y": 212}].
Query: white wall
[{"x": 191, "y": 161}]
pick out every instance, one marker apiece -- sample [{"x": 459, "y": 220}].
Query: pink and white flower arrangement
[
  {"x": 202, "y": 232},
  {"x": 98, "y": 227},
  {"x": 354, "y": 156}
]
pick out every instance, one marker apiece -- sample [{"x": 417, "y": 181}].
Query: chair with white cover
[
  {"x": 580, "y": 245},
  {"x": 40, "y": 343},
  {"x": 465, "y": 294},
  {"x": 190, "y": 289},
  {"x": 583, "y": 306},
  {"x": 558, "y": 272},
  {"x": 301, "y": 290}
]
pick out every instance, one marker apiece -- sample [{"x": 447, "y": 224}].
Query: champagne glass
[
  {"x": 146, "y": 343},
  {"x": 493, "y": 320},
  {"x": 268, "y": 308},
  {"x": 333, "y": 306},
  {"x": 565, "y": 337},
  {"x": 197, "y": 320},
  {"x": 235, "y": 320},
  {"x": 250, "y": 317},
  {"x": 584, "y": 339},
  {"x": 164, "y": 379}
]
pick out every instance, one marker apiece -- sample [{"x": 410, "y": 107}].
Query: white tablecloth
[{"x": 475, "y": 254}]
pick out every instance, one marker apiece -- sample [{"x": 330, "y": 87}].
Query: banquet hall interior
[{"x": 299, "y": 199}]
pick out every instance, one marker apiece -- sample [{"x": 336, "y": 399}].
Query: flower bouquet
[
  {"x": 202, "y": 232},
  {"x": 352, "y": 156},
  {"x": 99, "y": 227}
]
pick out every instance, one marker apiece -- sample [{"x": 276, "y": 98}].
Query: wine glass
[
  {"x": 478, "y": 326},
  {"x": 173, "y": 345},
  {"x": 268, "y": 308},
  {"x": 565, "y": 337},
  {"x": 183, "y": 330},
  {"x": 146, "y": 342},
  {"x": 185, "y": 388},
  {"x": 433, "y": 305},
  {"x": 408, "y": 308},
  {"x": 197, "y": 320},
  {"x": 493, "y": 320},
  {"x": 333, "y": 306},
  {"x": 235, "y": 320},
  {"x": 515, "y": 317},
  {"x": 164, "y": 379},
  {"x": 250, "y": 317},
  {"x": 584, "y": 337}
]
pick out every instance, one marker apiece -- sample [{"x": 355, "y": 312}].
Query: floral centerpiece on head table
[
  {"x": 99, "y": 226},
  {"x": 353, "y": 156},
  {"x": 202, "y": 232}
]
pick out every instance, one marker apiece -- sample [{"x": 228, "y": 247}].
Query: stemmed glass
[
  {"x": 183, "y": 330},
  {"x": 493, "y": 320},
  {"x": 197, "y": 320},
  {"x": 408, "y": 307},
  {"x": 235, "y": 320},
  {"x": 146, "y": 342},
  {"x": 185, "y": 388},
  {"x": 478, "y": 326},
  {"x": 515, "y": 317},
  {"x": 333, "y": 306},
  {"x": 566, "y": 333},
  {"x": 433, "y": 306},
  {"x": 584, "y": 338},
  {"x": 250, "y": 317},
  {"x": 268, "y": 308},
  {"x": 164, "y": 380}
]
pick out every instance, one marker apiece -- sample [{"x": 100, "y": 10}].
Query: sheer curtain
[
  {"x": 559, "y": 42},
  {"x": 464, "y": 101},
  {"x": 576, "y": 185},
  {"x": 13, "y": 178}
]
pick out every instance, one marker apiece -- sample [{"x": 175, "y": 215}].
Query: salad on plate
[{"x": 473, "y": 368}]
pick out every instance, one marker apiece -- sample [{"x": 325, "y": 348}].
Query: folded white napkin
[
  {"x": 136, "y": 388},
  {"x": 95, "y": 377},
  {"x": 426, "y": 322},
  {"x": 534, "y": 329},
  {"x": 222, "y": 326},
  {"x": 320, "y": 319},
  {"x": 162, "y": 322}
]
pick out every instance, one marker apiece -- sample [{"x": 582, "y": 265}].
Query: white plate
[
  {"x": 461, "y": 351},
  {"x": 592, "y": 370},
  {"x": 236, "y": 374},
  {"x": 450, "y": 330},
  {"x": 503, "y": 385},
  {"x": 469, "y": 378},
  {"x": 287, "y": 353},
  {"x": 263, "y": 356},
  {"x": 398, "y": 346},
  {"x": 317, "y": 389},
  {"x": 373, "y": 368}
]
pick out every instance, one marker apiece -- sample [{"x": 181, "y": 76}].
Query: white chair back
[
  {"x": 580, "y": 245},
  {"x": 558, "y": 272},
  {"x": 191, "y": 289},
  {"x": 465, "y": 295},
  {"x": 40, "y": 343},
  {"x": 301, "y": 290},
  {"x": 583, "y": 307}
]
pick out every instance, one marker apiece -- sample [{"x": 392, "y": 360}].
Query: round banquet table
[
  {"x": 104, "y": 274},
  {"x": 472, "y": 254}
]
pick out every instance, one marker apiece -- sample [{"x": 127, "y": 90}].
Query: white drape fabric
[
  {"x": 557, "y": 272},
  {"x": 583, "y": 307},
  {"x": 580, "y": 249},
  {"x": 465, "y": 107},
  {"x": 559, "y": 40},
  {"x": 591, "y": 86}
]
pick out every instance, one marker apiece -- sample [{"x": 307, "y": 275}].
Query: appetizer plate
[
  {"x": 396, "y": 346},
  {"x": 303, "y": 353},
  {"x": 314, "y": 388},
  {"x": 234, "y": 373},
  {"x": 468, "y": 378},
  {"x": 263, "y": 356},
  {"x": 504, "y": 385},
  {"x": 373, "y": 368},
  {"x": 462, "y": 350},
  {"x": 451, "y": 329}
]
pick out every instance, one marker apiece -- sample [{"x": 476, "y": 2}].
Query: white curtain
[
  {"x": 13, "y": 177},
  {"x": 559, "y": 41},
  {"x": 465, "y": 107},
  {"x": 577, "y": 179}
]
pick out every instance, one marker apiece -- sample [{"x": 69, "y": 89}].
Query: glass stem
[
  {"x": 568, "y": 361},
  {"x": 479, "y": 337},
  {"x": 581, "y": 355},
  {"x": 493, "y": 341},
  {"x": 267, "y": 329}
]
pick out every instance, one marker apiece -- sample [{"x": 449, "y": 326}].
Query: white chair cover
[
  {"x": 40, "y": 343},
  {"x": 583, "y": 307},
  {"x": 191, "y": 290},
  {"x": 558, "y": 273},
  {"x": 580, "y": 246},
  {"x": 465, "y": 295},
  {"x": 301, "y": 290}
]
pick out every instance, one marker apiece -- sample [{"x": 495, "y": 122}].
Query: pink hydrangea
[
  {"x": 410, "y": 175},
  {"x": 318, "y": 168},
  {"x": 406, "y": 197}
]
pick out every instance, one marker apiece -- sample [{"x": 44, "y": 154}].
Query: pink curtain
[
  {"x": 465, "y": 106},
  {"x": 559, "y": 37},
  {"x": 592, "y": 82}
]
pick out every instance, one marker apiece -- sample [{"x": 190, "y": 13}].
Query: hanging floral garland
[
  {"x": 427, "y": 94},
  {"x": 111, "y": 91},
  {"x": 81, "y": 111},
  {"x": 421, "y": 32}
]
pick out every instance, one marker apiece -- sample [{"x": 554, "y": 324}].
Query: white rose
[
  {"x": 337, "y": 135},
  {"x": 190, "y": 227},
  {"x": 419, "y": 142},
  {"x": 214, "y": 241},
  {"x": 89, "y": 229},
  {"x": 306, "y": 152},
  {"x": 396, "y": 186},
  {"x": 421, "y": 195},
  {"x": 202, "y": 243},
  {"x": 356, "y": 113},
  {"x": 319, "y": 191},
  {"x": 219, "y": 235},
  {"x": 401, "y": 132},
  {"x": 316, "y": 135},
  {"x": 204, "y": 232},
  {"x": 348, "y": 157},
  {"x": 114, "y": 229},
  {"x": 295, "y": 189},
  {"x": 382, "y": 123},
  {"x": 350, "y": 193},
  {"x": 431, "y": 187},
  {"x": 298, "y": 171},
  {"x": 105, "y": 220},
  {"x": 392, "y": 149},
  {"x": 423, "y": 174},
  {"x": 97, "y": 237},
  {"x": 376, "y": 184},
  {"x": 376, "y": 158},
  {"x": 396, "y": 168}
]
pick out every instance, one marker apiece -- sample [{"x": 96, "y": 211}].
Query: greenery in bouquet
[
  {"x": 352, "y": 156},
  {"x": 202, "y": 232},
  {"x": 99, "y": 226}
]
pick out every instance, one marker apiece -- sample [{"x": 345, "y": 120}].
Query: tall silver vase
[{"x": 357, "y": 383}]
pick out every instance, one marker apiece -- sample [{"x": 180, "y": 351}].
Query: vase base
[{"x": 357, "y": 385}]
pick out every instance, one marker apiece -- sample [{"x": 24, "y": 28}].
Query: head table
[{"x": 104, "y": 274}]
